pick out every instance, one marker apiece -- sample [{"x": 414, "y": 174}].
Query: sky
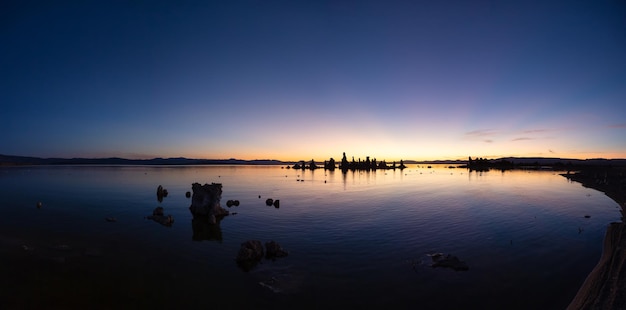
[{"x": 301, "y": 80}]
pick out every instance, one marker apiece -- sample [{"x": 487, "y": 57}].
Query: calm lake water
[{"x": 355, "y": 239}]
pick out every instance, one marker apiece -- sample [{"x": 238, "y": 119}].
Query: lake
[{"x": 356, "y": 239}]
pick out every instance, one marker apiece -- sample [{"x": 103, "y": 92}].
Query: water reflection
[{"x": 203, "y": 230}]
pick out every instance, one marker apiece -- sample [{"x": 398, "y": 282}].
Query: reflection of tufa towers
[{"x": 353, "y": 165}]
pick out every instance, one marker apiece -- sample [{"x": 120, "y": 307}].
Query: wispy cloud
[
  {"x": 617, "y": 126},
  {"x": 523, "y": 139},
  {"x": 480, "y": 133},
  {"x": 541, "y": 130},
  {"x": 551, "y": 151}
]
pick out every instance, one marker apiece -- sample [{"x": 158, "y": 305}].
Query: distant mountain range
[
  {"x": 24, "y": 160},
  {"x": 9, "y": 160}
]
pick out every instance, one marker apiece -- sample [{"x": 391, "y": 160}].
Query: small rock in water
[
  {"x": 39, "y": 205},
  {"x": 159, "y": 217},
  {"x": 274, "y": 250},
  {"x": 448, "y": 261},
  {"x": 236, "y": 203},
  {"x": 277, "y": 203},
  {"x": 269, "y": 201},
  {"x": 229, "y": 203},
  {"x": 188, "y": 194},
  {"x": 111, "y": 219},
  {"x": 587, "y": 216},
  {"x": 157, "y": 211}
]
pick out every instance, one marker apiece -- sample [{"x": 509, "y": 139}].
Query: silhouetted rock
[
  {"x": 250, "y": 253},
  {"x": 206, "y": 201},
  {"x": 159, "y": 217},
  {"x": 236, "y": 203},
  {"x": 188, "y": 194},
  {"x": 276, "y": 203},
  {"x": 274, "y": 250},
  {"x": 39, "y": 205},
  {"x": 448, "y": 261},
  {"x": 230, "y": 203},
  {"x": 269, "y": 201},
  {"x": 161, "y": 192}
]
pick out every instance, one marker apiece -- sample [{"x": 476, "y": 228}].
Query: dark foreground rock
[
  {"x": 448, "y": 261},
  {"x": 206, "y": 201}
]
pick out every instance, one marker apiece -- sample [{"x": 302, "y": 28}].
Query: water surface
[{"x": 355, "y": 239}]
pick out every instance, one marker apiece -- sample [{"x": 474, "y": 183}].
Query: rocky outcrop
[
  {"x": 205, "y": 201},
  {"x": 161, "y": 192}
]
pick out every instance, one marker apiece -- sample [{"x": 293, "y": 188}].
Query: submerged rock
[
  {"x": 206, "y": 201},
  {"x": 274, "y": 250},
  {"x": 250, "y": 253},
  {"x": 159, "y": 217},
  {"x": 448, "y": 261}
]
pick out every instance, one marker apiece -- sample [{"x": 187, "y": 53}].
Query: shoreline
[{"x": 605, "y": 286}]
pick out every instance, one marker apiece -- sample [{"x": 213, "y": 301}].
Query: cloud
[
  {"x": 617, "y": 126},
  {"x": 523, "y": 139},
  {"x": 480, "y": 133},
  {"x": 537, "y": 130},
  {"x": 551, "y": 151},
  {"x": 488, "y": 141}
]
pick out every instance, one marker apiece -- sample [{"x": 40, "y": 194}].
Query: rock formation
[
  {"x": 206, "y": 201},
  {"x": 161, "y": 192}
]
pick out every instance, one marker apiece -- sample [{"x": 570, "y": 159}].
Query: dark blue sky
[{"x": 294, "y": 79}]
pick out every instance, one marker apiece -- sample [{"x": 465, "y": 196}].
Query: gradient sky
[{"x": 295, "y": 80}]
